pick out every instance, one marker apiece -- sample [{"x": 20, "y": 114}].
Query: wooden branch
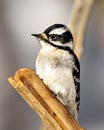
[
  {"x": 78, "y": 23},
  {"x": 43, "y": 101}
]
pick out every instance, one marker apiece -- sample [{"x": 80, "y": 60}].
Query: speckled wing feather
[{"x": 76, "y": 76}]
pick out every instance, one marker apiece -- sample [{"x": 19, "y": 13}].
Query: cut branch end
[{"x": 42, "y": 100}]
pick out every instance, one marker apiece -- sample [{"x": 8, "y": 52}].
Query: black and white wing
[{"x": 76, "y": 77}]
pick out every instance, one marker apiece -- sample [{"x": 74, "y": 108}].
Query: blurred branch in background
[
  {"x": 43, "y": 101},
  {"x": 78, "y": 23}
]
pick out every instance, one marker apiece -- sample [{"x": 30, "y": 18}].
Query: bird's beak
[
  {"x": 40, "y": 36},
  {"x": 36, "y": 35}
]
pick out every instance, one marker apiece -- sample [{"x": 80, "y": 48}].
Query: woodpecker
[{"x": 59, "y": 67}]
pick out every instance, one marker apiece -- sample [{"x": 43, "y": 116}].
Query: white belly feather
[{"x": 55, "y": 68}]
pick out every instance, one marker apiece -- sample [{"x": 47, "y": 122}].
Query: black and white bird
[{"x": 59, "y": 67}]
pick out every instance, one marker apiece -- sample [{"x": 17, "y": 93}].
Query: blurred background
[{"x": 18, "y": 49}]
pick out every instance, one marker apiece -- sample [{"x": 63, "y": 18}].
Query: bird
[{"x": 58, "y": 66}]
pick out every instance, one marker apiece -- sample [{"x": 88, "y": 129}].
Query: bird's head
[{"x": 57, "y": 35}]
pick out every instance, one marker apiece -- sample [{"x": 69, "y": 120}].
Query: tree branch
[
  {"x": 43, "y": 101},
  {"x": 78, "y": 23}
]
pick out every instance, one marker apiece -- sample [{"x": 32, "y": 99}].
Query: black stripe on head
[
  {"x": 66, "y": 37},
  {"x": 65, "y": 48},
  {"x": 49, "y": 29},
  {"x": 63, "y": 38}
]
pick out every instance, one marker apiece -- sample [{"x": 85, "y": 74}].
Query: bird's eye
[{"x": 53, "y": 37}]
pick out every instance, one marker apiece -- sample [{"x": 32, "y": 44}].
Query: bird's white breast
[{"x": 54, "y": 66}]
